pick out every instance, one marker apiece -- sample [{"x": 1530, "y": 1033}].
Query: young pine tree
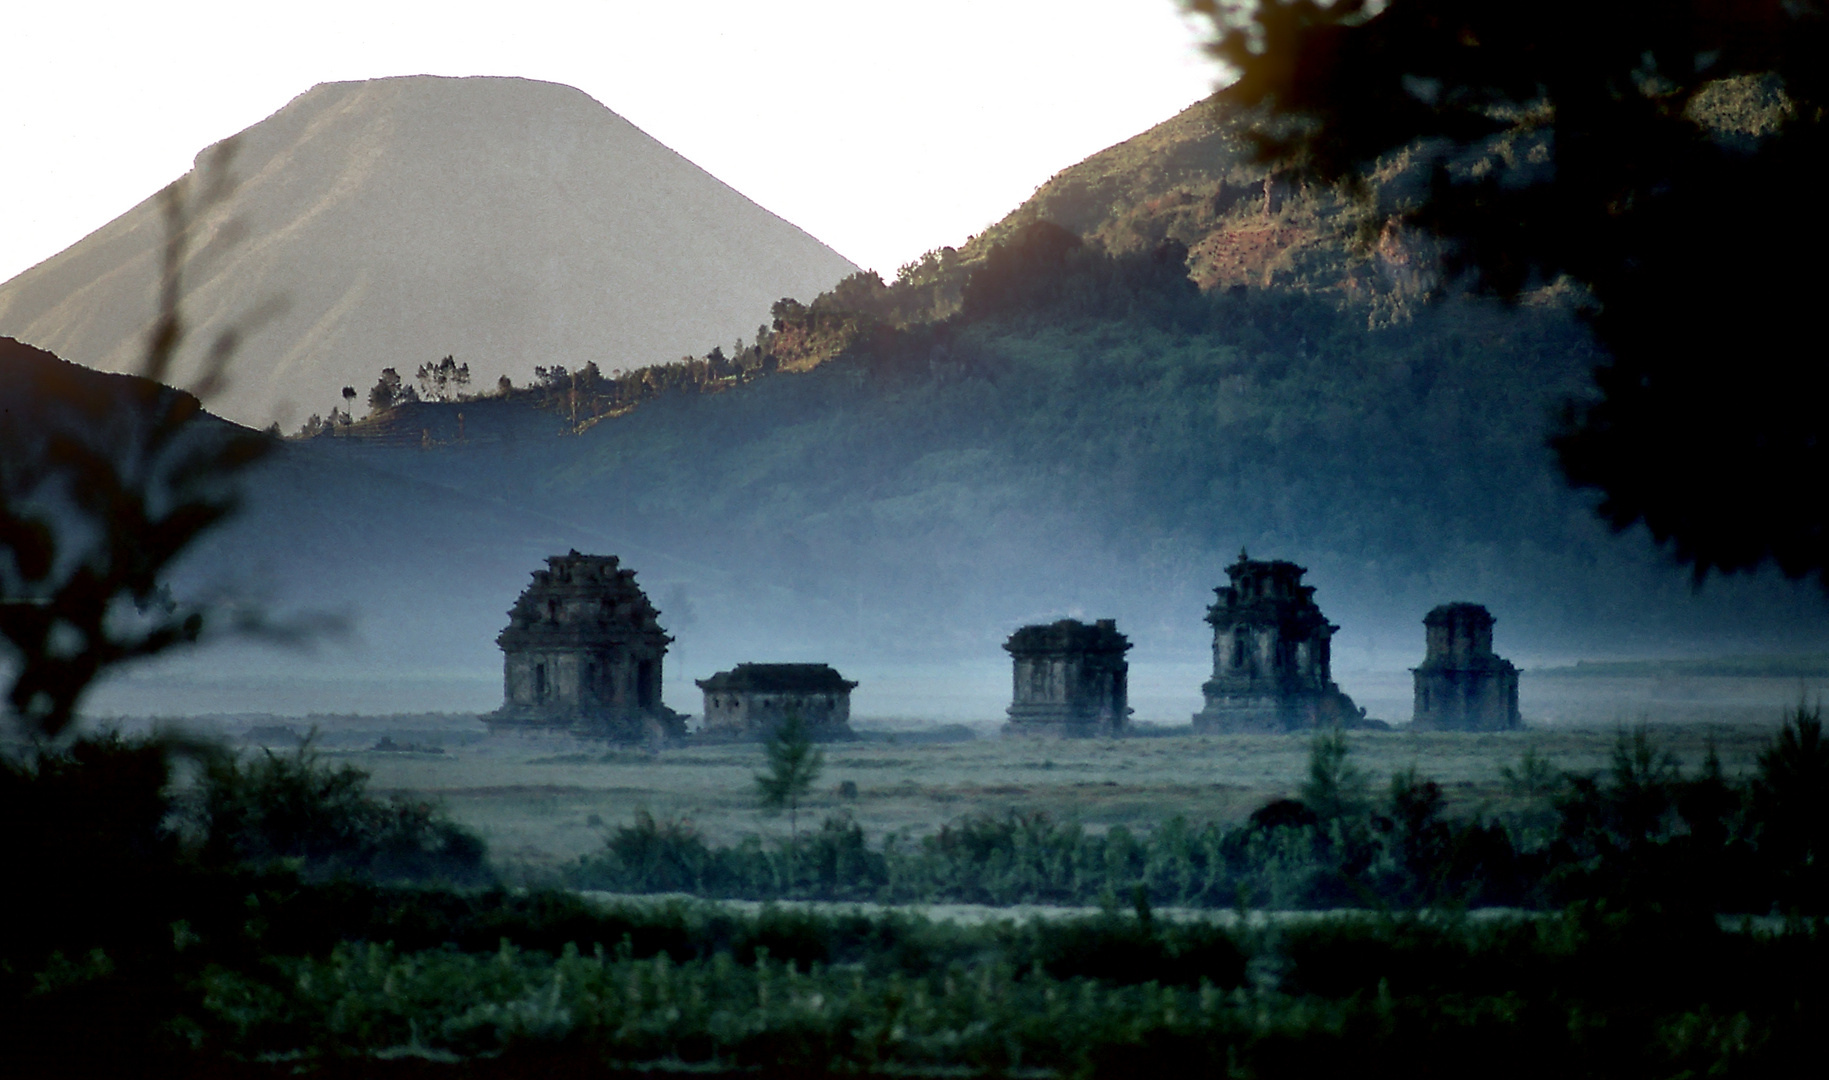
[
  {"x": 793, "y": 764},
  {"x": 1335, "y": 787}
]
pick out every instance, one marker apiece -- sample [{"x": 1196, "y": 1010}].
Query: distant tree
[
  {"x": 389, "y": 391},
  {"x": 432, "y": 379},
  {"x": 504, "y": 386},
  {"x": 786, "y": 311},
  {"x": 859, "y": 292},
  {"x": 444, "y": 380},
  {"x": 794, "y": 764},
  {"x": 349, "y": 400},
  {"x": 1533, "y": 776},
  {"x": 1666, "y": 157},
  {"x": 1335, "y": 787}
]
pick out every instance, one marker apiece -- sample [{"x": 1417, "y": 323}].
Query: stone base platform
[
  {"x": 660, "y": 726},
  {"x": 1058, "y": 723},
  {"x": 1281, "y": 714}
]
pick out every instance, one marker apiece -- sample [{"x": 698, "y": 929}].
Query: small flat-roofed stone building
[
  {"x": 1462, "y": 684},
  {"x": 582, "y": 653},
  {"x": 750, "y": 700},
  {"x": 1069, "y": 679},
  {"x": 1272, "y": 656}
]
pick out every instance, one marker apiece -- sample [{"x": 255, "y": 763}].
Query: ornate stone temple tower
[
  {"x": 1069, "y": 679},
  {"x": 582, "y": 653},
  {"x": 1462, "y": 685},
  {"x": 1271, "y": 656}
]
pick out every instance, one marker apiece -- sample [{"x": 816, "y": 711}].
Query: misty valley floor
[{"x": 541, "y": 802}]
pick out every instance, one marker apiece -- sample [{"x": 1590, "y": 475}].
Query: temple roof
[
  {"x": 1468, "y": 643},
  {"x": 1268, "y": 592},
  {"x": 777, "y": 679},
  {"x": 582, "y": 601},
  {"x": 1068, "y": 635},
  {"x": 1450, "y": 614}
]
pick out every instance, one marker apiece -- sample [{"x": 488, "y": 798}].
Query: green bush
[
  {"x": 803, "y": 993},
  {"x": 295, "y": 808},
  {"x": 1642, "y": 833},
  {"x": 271, "y": 933}
]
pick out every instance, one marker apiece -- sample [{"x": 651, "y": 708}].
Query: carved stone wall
[
  {"x": 1069, "y": 679},
  {"x": 1462, "y": 685},
  {"x": 583, "y": 652},
  {"x": 751, "y": 700},
  {"x": 1272, "y": 656}
]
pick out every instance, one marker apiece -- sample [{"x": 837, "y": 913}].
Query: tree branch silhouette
[
  {"x": 104, "y": 482},
  {"x": 1664, "y": 157}
]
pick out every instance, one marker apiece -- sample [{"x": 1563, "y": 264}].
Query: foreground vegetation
[
  {"x": 180, "y": 910},
  {"x": 1642, "y": 832},
  {"x": 792, "y": 994},
  {"x": 267, "y": 913}
]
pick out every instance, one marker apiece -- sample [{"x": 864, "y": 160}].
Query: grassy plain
[{"x": 543, "y": 801}]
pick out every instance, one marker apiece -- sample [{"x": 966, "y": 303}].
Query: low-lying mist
[{"x": 899, "y": 511}]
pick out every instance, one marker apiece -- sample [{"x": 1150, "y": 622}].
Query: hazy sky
[{"x": 882, "y": 128}]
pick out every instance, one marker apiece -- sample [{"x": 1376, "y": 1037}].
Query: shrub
[
  {"x": 296, "y": 809},
  {"x": 653, "y": 856},
  {"x": 1790, "y": 799}
]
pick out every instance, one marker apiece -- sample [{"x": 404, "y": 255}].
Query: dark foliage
[
  {"x": 390, "y": 392},
  {"x": 118, "y": 887},
  {"x": 104, "y": 480},
  {"x": 546, "y": 980},
  {"x": 1642, "y": 835},
  {"x": 1125, "y": 951},
  {"x": 1283, "y": 814},
  {"x": 83, "y": 827},
  {"x": 1663, "y": 156},
  {"x": 215, "y": 961},
  {"x": 1790, "y": 810},
  {"x": 296, "y": 809},
  {"x": 1042, "y": 270}
]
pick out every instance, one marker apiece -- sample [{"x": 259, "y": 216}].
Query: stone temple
[
  {"x": 750, "y": 700},
  {"x": 582, "y": 653},
  {"x": 1069, "y": 679},
  {"x": 1462, "y": 685},
  {"x": 1271, "y": 656}
]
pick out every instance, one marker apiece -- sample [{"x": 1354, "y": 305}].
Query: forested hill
[
  {"x": 1028, "y": 427},
  {"x": 1093, "y": 435},
  {"x": 1192, "y": 180}
]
